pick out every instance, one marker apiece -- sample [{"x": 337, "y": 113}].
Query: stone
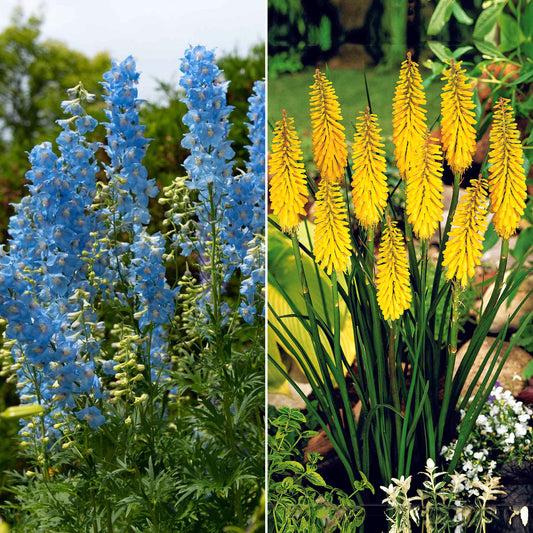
[
  {"x": 505, "y": 311},
  {"x": 510, "y": 376}
]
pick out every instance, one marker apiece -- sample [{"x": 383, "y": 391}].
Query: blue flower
[{"x": 92, "y": 416}]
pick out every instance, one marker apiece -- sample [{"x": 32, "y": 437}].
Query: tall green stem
[
  {"x": 394, "y": 383},
  {"x": 452, "y": 350}
]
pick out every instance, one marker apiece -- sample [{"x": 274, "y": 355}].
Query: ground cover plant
[
  {"x": 142, "y": 402},
  {"x": 368, "y": 325}
]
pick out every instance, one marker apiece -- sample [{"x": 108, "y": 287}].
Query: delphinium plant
[
  {"x": 403, "y": 372},
  {"x": 143, "y": 402}
]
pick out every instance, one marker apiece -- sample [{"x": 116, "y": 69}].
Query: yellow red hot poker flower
[
  {"x": 288, "y": 190},
  {"x": 507, "y": 178},
  {"x": 424, "y": 188},
  {"x": 329, "y": 144},
  {"x": 369, "y": 182},
  {"x": 409, "y": 114},
  {"x": 458, "y": 119},
  {"x": 332, "y": 246},
  {"x": 392, "y": 281},
  {"x": 465, "y": 241}
]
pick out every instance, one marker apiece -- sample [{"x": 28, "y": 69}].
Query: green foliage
[
  {"x": 295, "y": 504},
  {"x": 300, "y": 33}
]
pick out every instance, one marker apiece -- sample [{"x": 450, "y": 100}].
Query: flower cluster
[
  {"x": 43, "y": 289},
  {"x": 502, "y": 433},
  {"x": 125, "y": 251},
  {"x": 230, "y": 208}
]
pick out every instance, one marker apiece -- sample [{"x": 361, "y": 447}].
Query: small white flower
[{"x": 524, "y": 515}]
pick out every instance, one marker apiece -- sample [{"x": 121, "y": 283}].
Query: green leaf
[
  {"x": 441, "y": 51},
  {"x": 488, "y": 49},
  {"x": 491, "y": 238},
  {"x": 321, "y": 513},
  {"x": 509, "y": 33},
  {"x": 526, "y": 20},
  {"x": 461, "y": 50},
  {"x": 295, "y": 466},
  {"x": 440, "y": 16},
  {"x": 316, "y": 479},
  {"x": 287, "y": 482},
  {"x": 486, "y": 21},
  {"x": 460, "y": 14},
  {"x": 527, "y": 373},
  {"x": 523, "y": 243}
]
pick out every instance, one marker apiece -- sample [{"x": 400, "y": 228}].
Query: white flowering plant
[
  {"x": 502, "y": 433},
  {"x": 441, "y": 504}
]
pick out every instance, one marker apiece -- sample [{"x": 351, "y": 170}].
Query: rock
[
  {"x": 505, "y": 311},
  {"x": 513, "y": 367},
  {"x": 292, "y": 400},
  {"x": 321, "y": 442}
]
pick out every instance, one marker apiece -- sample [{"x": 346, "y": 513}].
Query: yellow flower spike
[
  {"x": 507, "y": 178},
  {"x": 392, "y": 281},
  {"x": 409, "y": 114},
  {"x": 424, "y": 188},
  {"x": 465, "y": 241},
  {"x": 288, "y": 190},
  {"x": 369, "y": 182},
  {"x": 329, "y": 144},
  {"x": 458, "y": 119},
  {"x": 332, "y": 246}
]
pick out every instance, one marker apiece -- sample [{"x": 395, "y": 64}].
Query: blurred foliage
[
  {"x": 242, "y": 71},
  {"x": 301, "y": 32}
]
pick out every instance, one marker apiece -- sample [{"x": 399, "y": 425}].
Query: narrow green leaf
[
  {"x": 491, "y": 238},
  {"x": 440, "y": 16},
  {"x": 488, "y": 49},
  {"x": 461, "y": 51},
  {"x": 526, "y": 20},
  {"x": 523, "y": 243},
  {"x": 441, "y": 51},
  {"x": 460, "y": 14},
  {"x": 487, "y": 20},
  {"x": 527, "y": 373}
]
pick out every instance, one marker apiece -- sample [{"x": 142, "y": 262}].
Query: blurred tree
[
  {"x": 301, "y": 32},
  {"x": 394, "y": 31},
  {"x": 34, "y": 76}
]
